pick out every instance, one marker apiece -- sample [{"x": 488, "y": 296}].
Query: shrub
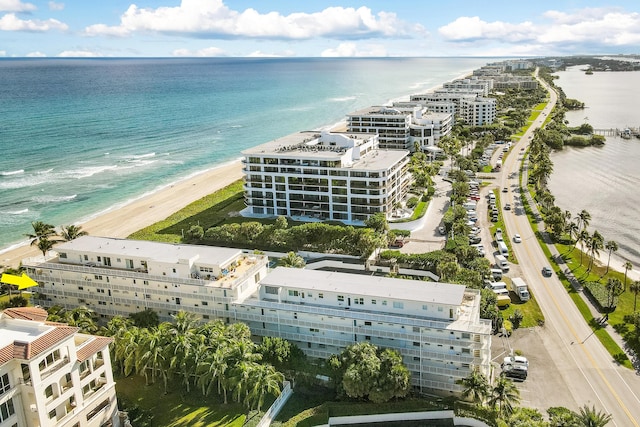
[{"x": 412, "y": 202}]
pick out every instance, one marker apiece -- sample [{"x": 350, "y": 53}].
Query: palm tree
[
  {"x": 595, "y": 244},
  {"x": 610, "y": 246},
  {"x": 476, "y": 387},
  {"x": 583, "y": 219},
  {"x": 573, "y": 230},
  {"x": 583, "y": 239},
  {"x": 266, "y": 380},
  {"x": 504, "y": 394},
  {"x": 291, "y": 260},
  {"x": 635, "y": 288},
  {"x": 41, "y": 236},
  {"x": 614, "y": 289},
  {"x": 627, "y": 266},
  {"x": 72, "y": 232},
  {"x": 590, "y": 417}
]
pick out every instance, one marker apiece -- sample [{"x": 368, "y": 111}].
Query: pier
[{"x": 626, "y": 133}]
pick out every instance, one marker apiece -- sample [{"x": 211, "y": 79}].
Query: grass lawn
[
  {"x": 532, "y": 315},
  {"x": 177, "y": 408}
]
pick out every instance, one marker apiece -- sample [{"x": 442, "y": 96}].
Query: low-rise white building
[
  {"x": 53, "y": 376},
  {"x": 435, "y": 326},
  {"x": 324, "y": 176}
]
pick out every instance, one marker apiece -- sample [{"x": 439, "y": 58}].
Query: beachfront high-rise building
[
  {"x": 470, "y": 105},
  {"x": 435, "y": 326},
  {"x": 53, "y": 376},
  {"x": 426, "y": 126},
  {"x": 341, "y": 176},
  {"x": 390, "y": 124}
]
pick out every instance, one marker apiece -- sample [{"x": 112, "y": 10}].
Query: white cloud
[
  {"x": 56, "y": 6},
  {"x": 588, "y": 29},
  {"x": 79, "y": 54},
  {"x": 349, "y": 49},
  {"x": 10, "y": 22},
  {"x": 213, "y": 19},
  {"x": 206, "y": 52},
  {"x": 3, "y": 53},
  {"x": 16, "y": 6},
  {"x": 468, "y": 28},
  {"x": 260, "y": 54},
  {"x": 35, "y": 55}
]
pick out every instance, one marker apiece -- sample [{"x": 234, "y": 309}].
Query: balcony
[{"x": 54, "y": 368}]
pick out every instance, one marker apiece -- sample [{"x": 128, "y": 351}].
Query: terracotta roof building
[{"x": 52, "y": 375}]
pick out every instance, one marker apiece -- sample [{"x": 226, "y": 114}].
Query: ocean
[
  {"x": 603, "y": 180},
  {"x": 80, "y": 137}
]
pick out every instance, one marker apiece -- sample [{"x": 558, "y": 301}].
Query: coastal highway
[{"x": 592, "y": 377}]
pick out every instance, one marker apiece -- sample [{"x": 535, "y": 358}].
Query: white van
[
  {"x": 502, "y": 248},
  {"x": 496, "y": 273},
  {"x": 501, "y": 262}
]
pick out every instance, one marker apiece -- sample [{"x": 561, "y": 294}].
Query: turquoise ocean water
[{"x": 81, "y": 136}]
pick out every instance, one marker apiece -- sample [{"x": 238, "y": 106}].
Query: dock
[{"x": 625, "y": 133}]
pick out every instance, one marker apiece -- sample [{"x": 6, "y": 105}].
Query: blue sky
[{"x": 119, "y": 28}]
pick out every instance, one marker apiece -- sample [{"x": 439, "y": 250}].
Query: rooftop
[
  {"x": 373, "y": 286},
  {"x": 377, "y": 110},
  {"x": 161, "y": 252}
]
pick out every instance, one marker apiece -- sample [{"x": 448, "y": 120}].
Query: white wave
[
  {"x": 342, "y": 99},
  {"x": 236, "y": 126},
  {"x": 53, "y": 199},
  {"x": 46, "y": 171},
  {"x": 11, "y": 173},
  {"x": 18, "y": 212},
  {"x": 131, "y": 164},
  {"x": 139, "y": 156},
  {"x": 89, "y": 171},
  {"x": 27, "y": 181}
]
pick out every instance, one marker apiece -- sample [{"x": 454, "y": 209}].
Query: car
[
  {"x": 398, "y": 243},
  {"x": 494, "y": 218},
  {"x": 474, "y": 240},
  {"x": 516, "y": 372},
  {"x": 505, "y": 190},
  {"x": 442, "y": 230},
  {"x": 475, "y": 197},
  {"x": 507, "y": 207},
  {"x": 547, "y": 271},
  {"x": 517, "y": 238}
]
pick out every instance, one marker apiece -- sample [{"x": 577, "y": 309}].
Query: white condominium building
[
  {"x": 324, "y": 176},
  {"x": 435, "y": 326},
  {"x": 120, "y": 277},
  {"x": 475, "y": 84},
  {"x": 53, "y": 376},
  {"x": 427, "y": 126},
  {"x": 391, "y": 125},
  {"x": 479, "y": 111}
]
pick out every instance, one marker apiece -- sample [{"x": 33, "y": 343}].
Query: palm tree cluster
[
  {"x": 213, "y": 357},
  {"x": 45, "y": 236},
  {"x": 503, "y": 397}
]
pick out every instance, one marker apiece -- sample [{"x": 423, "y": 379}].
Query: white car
[{"x": 517, "y": 238}]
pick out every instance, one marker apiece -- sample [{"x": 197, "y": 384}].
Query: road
[{"x": 592, "y": 376}]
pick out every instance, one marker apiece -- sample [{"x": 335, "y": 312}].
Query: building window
[
  {"x": 314, "y": 330},
  {"x": 321, "y": 296},
  {"x": 273, "y": 290},
  {"x": 340, "y": 298},
  {"x": 4, "y": 384},
  {"x": 358, "y": 301},
  {"x": 366, "y": 323},
  {"x": 440, "y": 309},
  {"x": 374, "y": 302},
  {"x": 63, "y": 254},
  {"x": 416, "y": 344},
  {"x": 398, "y": 304},
  {"x": 48, "y": 392},
  {"x": 293, "y": 293},
  {"x": 129, "y": 263},
  {"x": 6, "y": 410},
  {"x": 384, "y": 302},
  {"x": 425, "y": 307},
  {"x": 52, "y": 414}
]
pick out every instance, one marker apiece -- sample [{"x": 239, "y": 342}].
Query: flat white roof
[
  {"x": 157, "y": 251},
  {"x": 21, "y": 331},
  {"x": 371, "y": 286}
]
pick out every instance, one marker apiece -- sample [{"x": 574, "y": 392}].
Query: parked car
[
  {"x": 442, "y": 230},
  {"x": 494, "y": 218},
  {"x": 547, "y": 271},
  {"x": 517, "y": 238},
  {"x": 473, "y": 240},
  {"x": 505, "y": 190},
  {"x": 507, "y": 207}
]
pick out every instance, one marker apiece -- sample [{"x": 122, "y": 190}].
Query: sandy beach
[{"x": 145, "y": 211}]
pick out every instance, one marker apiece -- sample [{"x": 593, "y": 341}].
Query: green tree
[
  {"x": 590, "y": 417},
  {"x": 41, "y": 231},
  {"x": 562, "y": 417},
  {"x": 635, "y": 288},
  {"x": 475, "y": 387},
  {"x": 595, "y": 244},
  {"x": 265, "y": 380},
  {"x": 583, "y": 218},
  {"x": 611, "y": 246},
  {"x": 72, "y": 232},
  {"x": 627, "y": 266},
  {"x": 195, "y": 233},
  {"x": 146, "y": 318},
  {"x": 614, "y": 290},
  {"x": 292, "y": 260},
  {"x": 527, "y": 417},
  {"x": 45, "y": 245},
  {"x": 516, "y": 318},
  {"x": 378, "y": 222},
  {"x": 504, "y": 395}
]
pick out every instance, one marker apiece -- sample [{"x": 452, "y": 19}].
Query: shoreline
[{"x": 120, "y": 221}]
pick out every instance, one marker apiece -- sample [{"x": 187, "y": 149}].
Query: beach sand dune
[{"x": 145, "y": 211}]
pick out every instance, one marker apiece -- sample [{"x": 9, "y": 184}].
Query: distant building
[
  {"x": 435, "y": 326},
  {"x": 427, "y": 127},
  {"x": 324, "y": 176},
  {"x": 53, "y": 376}
]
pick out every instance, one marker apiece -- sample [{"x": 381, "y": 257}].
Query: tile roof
[
  {"x": 29, "y": 350},
  {"x": 27, "y": 313},
  {"x": 92, "y": 347}
]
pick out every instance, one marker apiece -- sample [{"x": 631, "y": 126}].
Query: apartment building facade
[
  {"x": 427, "y": 127},
  {"x": 53, "y": 376},
  {"x": 390, "y": 124},
  {"x": 120, "y": 277},
  {"x": 342, "y": 176},
  {"x": 435, "y": 326}
]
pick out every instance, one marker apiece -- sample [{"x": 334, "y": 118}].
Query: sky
[{"x": 317, "y": 28}]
